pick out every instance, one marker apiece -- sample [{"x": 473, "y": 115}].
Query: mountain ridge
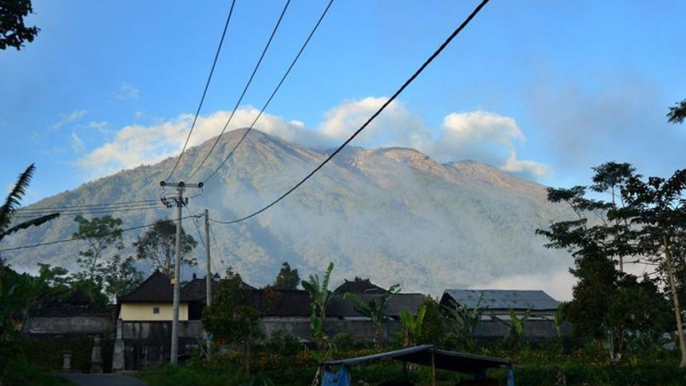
[{"x": 391, "y": 214}]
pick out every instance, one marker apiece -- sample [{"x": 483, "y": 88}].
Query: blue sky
[{"x": 543, "y": 89}]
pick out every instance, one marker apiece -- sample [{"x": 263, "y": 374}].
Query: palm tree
[
  {"x": 319, "y": 300},
  {"x": 13, "y": 201},
  {"x": 374, "y": 309}
]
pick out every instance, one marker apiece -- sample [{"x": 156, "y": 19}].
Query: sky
[{"x": 544, "y": 89}]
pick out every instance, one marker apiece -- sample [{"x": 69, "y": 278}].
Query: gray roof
[
  {"x": 341, "y": 307},
  {"x": 501, "y": 299}
]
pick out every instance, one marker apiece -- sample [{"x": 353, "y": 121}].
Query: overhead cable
[
  {"x": 283, "y": 78},
  {"x": 71, "y": 240},
  {"x": 388, "y": 102},
  {"x": 245, "y": 89},
  {"x": 204, "y": 93}
]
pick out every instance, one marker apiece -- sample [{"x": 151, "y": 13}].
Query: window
[{"x": 156, "y": 310}]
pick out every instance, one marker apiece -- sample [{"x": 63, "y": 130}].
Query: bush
[
  {"x": 21, "y": 373},
  {"x": 282, "y": 343}
]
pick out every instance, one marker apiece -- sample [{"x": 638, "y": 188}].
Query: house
[
  {"x": 534, "y": 307},
  {"x": 144, "y": 321}
]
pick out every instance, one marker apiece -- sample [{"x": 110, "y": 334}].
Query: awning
[{"x": 427, "y": 355}]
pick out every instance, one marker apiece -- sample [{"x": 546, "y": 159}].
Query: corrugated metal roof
[{"x": 502, "y": 299}]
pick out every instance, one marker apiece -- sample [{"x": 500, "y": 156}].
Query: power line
[
  {"x": 388, "y": 102},
  {"x": 71, "y": 240},
  {"x": 204, "y": 93},
  {"x": 75, "y": 212},
  {"x": 84, "y": 206},
  {"x": 283, "y": 78},
  {"x": 245, "y": 89},
  {"x": 217, "y": 250}
]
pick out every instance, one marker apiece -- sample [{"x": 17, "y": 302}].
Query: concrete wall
[
  {"x": 147, "y": 343},
  {"x": 70, "y": 325},
  {"x": 145, "y": 312}
]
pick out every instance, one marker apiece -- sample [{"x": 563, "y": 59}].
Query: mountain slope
[{"x": 392, "y": 214}]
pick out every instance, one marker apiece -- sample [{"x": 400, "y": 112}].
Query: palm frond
[
  {"x": 13, "y": 200},
  {"x": 33, "y": 222}
]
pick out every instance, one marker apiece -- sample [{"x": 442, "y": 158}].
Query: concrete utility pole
[
  {"x": 180, "y": 202},
  {"x": 208, "y": 278}
]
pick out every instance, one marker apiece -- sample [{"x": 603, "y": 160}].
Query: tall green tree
[
  {"x": 287, "y": 279},
  {"x": 13, "y": 30},
  {"x": 320, "y": 297},
  {"x": 103, "y": 271},
  {"x": 658, "y": 207},
  {"x": 232, "y": 318},
  {"x": 374, "y": 308},
  {"x": 634, "y": 222},
  {"x": 158, "y": 245}
]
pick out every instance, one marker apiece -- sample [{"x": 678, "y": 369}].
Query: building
[{"x": 534, "y": 307}]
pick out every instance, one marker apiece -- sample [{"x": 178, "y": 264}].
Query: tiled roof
[
  {"x": 156, "y": 288},
  {"x": 359, "y": 286},
  {"x": 282, "y": 303},
  {"x": 340, "y": 307},
  {"x": 501, "y": 299}
]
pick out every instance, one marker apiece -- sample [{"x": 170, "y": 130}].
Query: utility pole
[
  {"x": 208, "y": 278},
  {"x": 180, "y": 202}
]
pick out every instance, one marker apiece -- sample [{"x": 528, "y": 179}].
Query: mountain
[{"x": 393, "y": 215}]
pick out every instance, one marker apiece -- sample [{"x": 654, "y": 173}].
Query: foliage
[
  {"x": 22, "y": 373},
  {"x": 231, "y": 318},
  {"x": 13, "y": 201},
  {"x": 434, "y": 323},
  {"x": 463, "y": 321},
  {"x": 115, "y": 276},
  {"x": 13, "y": 31},
  {"x": 412, "y": 325},
  {"x": 17, "y": 294},
  {"x": 677, "y": 113},
  {"x": 320, "y": 296},
  {"x": 283, "y": 343},
  {"x": 158, "y": 245},
  {"x": 287, "y": 279},
  {"x": 374, "y": 308},
  {"x": 515, "y": 338},
  {"x": 640, "y": 220}
]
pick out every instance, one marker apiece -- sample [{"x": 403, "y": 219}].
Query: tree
[
  {"x": 17, "y": 293},
  {"x": 319, "y": 300},
  {"x": 677, "y": 113},
  {"x": 287, "y": 279},
  {"x": 643, "y": 220},
  {"x": 159, "y": 246},
  {"x": 658, "y": 207},
  {"x": 113, "y": 276},
  {"x": 13, "y": 201},
  {"x": 463, "y": 321},
  {"x": 412, "y": 325},
  {"x": 231, "y": 317},
  {"x": 13, "y": 31},
  {"x": 374, "y": 308}
]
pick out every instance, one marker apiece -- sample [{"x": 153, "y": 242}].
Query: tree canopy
[
  {"x": 642, "y": 220},
  {"x": 158, "y": 245},
  {"x": 13, "y": 30}
]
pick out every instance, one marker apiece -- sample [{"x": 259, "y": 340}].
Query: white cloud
[
  {"x": 127, "y": 92},
  {"x": 69, "y": 118},
  {"x": 479, "y": 135},
  {"x": 135, "y": 145},
  {"x": 395, "y": 126},
  {"x": 77, "y": 145}
]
